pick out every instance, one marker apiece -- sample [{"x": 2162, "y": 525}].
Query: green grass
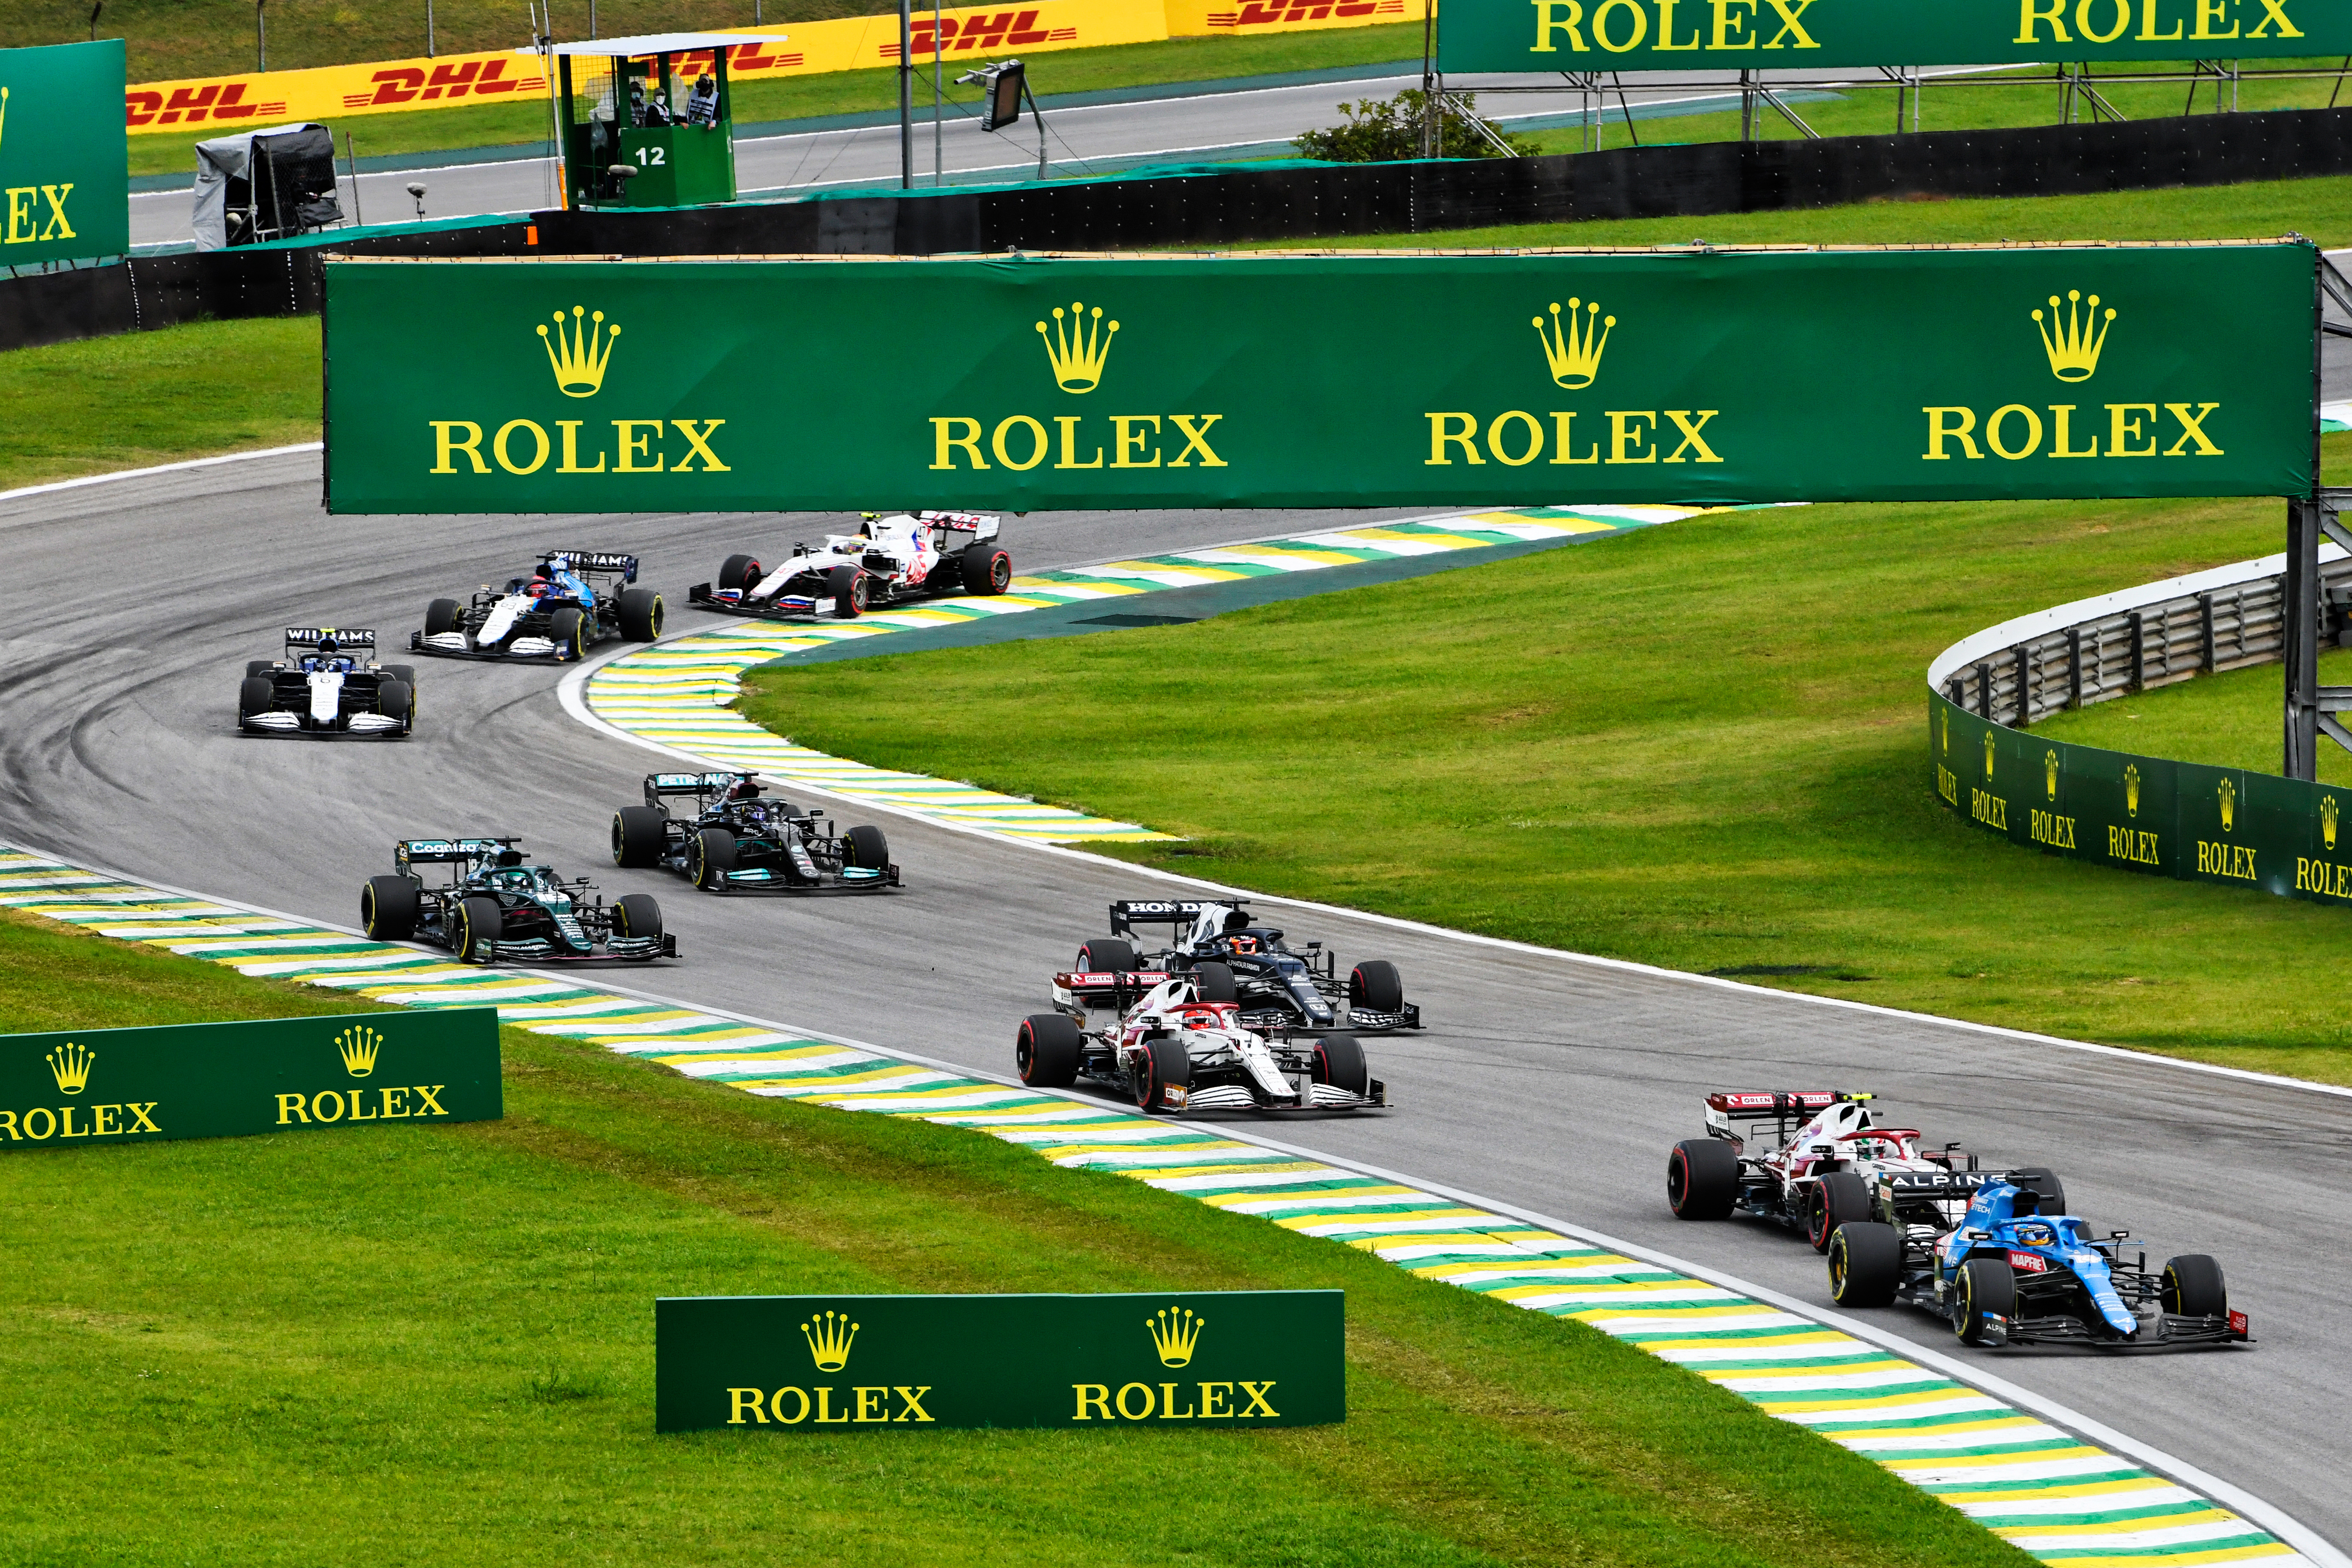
[
  {"x": 424, "y": 1345},
  {"x": 1701, "y": 746},
  {"x": 1170, "y": 60},
  {"x": 151, "y": 397},
  {"x": 2225, "y": 721}
]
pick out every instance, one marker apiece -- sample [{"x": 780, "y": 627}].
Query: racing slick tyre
[
  {"x": 397, "y": 699},
  {"x": 2193, "y": 1289},
  {"x": 475, "y": 920},
  {"x": 1374, "y": 984},
  {"x": 712, "y": 858},
  {"x": 1107, "y": 955},
  {"x": 253, "y": 696},
  {"x": 640, "y": 834},
  {"x": 1214, "y": 983},
  {"x": 1047, "y": 1050},
  {"x": 406, "y": 672},
  {"x": 2042, "y": 1180},
  {"x": 1169, "y": 1067},
  {"x": 1702, "y": 1179},
  {"x": 567, "y": 628},
  {"x": 641, "y": 614},
  {"x": 441, "y": 616},
  {"x": 259, "y": 666},
  {"x": 388, "y": 908},
  {"x": 1988, "y": 1288},
  {"x": 1866, "y": 1264},
  {"x": 1339, "y": 1062},
  {"x": 848, "y": 587},
  {"x": 742, "y": 574},
  {"x": 986, "y": 568},
  {"x": 1839, "y": 1198},
  {"x": 636, "y": 915},
  {"x": 866, "y": 848}
]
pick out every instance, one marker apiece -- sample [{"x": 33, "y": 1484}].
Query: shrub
[{"x": 1384, "y": 132}]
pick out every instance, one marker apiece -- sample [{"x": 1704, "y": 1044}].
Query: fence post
[
  {"x": 1984, "y": 692},
  {"x": 2073, "y": 666},
  {"x": 2206, "y": 661},
  {"x": 2025, "y": 686},
  {"x": 2139, "y": 651}
]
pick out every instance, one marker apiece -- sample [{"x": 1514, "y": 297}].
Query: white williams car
[
  {"x": 328, "y": 684},
  {"x": 573, "y": 600}
]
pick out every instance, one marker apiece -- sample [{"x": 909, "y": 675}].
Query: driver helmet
[
  {"x": 538, "y": 587},
  {"x": 327, "y": 648},
  {"x": 1198, "y": 1015}
]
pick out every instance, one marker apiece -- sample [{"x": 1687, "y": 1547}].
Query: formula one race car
[
  {"x": 328, "y": 684},
  {"x": 2018, "y": 1269},
  {"x": 1824, "y": 1171},
  {"x": 1175, "y": 1050},
  {"x": 496, "y": 907},
  {"x": 1238, "y": 961},
  {"x": 888, "y": 561},
  {"x": 732, "y": 841},
  {"x": 573, "y": 600}
]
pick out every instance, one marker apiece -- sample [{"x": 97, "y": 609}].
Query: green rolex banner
[
  {"x": 1241, "y": 1359},
  {"x": 1024, "y": 384},
  {"x": 1477, "y": 35},
  {"x": 85, "y": 1087},
  {"x": 64, "y": 180}
]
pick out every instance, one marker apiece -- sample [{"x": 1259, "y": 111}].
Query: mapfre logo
[
  {"x": 578, "y": 351},
  {"x": 1077, "y": 346},
  {"x": 34, "y": 213},
  {"x": 2074, "y": 335},
  {"x": 1573, "y": 346}
]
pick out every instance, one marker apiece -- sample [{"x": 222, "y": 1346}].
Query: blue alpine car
[{"x": 2017, "y": 1268}]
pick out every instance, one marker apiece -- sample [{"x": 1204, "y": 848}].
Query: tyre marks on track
[{"x": 2054, "y": 1495}]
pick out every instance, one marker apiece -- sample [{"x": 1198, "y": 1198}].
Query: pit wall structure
[{"x": 2152, "y": 816}]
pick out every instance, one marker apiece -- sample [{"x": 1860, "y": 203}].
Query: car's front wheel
[
  {"x": 1166, "y": 1066},
  {"x": 714, "y": 857},
  {"x": 2193, "y": 1287},
  {"x": 636, "y": 915},
  {"x": 741, "y": 573},
  {"x": 849, "y": 590},
  {"x": 475, "y": 922},
  {"x": 1986, "y": 1289},
  {"x": 568, "y": 629},
  {"x": 865, "y": 847},
  {"x": 1339, "y": 1062}
]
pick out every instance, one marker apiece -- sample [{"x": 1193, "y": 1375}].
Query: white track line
[{"x": 161, "y": 468}]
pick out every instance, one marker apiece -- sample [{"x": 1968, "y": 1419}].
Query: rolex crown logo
[
  {"x": 580, "y": 356},
  {"x": 2328, "y": 810},
  {"x": 1078, "y": 348},
  {"x": 1947, "y": 733},
  {"x": 1174, "y": 1332},
  {"x": 2131, "y": 788},
  {"x": 2049, "y": 773},
  {"x": 2228, "y": 793},
  {"x": 1988, "y": 753},
  {"x": 358, "y": 1047},
  {"x": 2074, "y": 337},
  {"x": 1575, "y": 353},
  {"x": 829, "y": 1336},
  {"x": 70, "y": 1067}
]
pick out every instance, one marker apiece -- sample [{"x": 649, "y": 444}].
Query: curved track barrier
[
  {"x": 2056, "y": 1497},
  {"x": 2149, "y": 814}
]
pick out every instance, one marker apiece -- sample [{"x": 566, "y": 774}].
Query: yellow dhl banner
[{"x": 814, "y": 49}]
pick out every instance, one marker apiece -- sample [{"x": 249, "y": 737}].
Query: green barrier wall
[
  {"x": 2148, "y": 814},
  {"x": 84, "y": 1087},
  {"x": 1023, "y": 384},
  {"x": 857, "y": 1363},
  {"x": 1796, "y": 35},
  {"x": 65, "y": 186}
]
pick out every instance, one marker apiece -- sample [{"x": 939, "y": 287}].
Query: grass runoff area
[
  {"x": 435, "y": 1345},
  {"x": 1700, "y": 745},
  {"x": 2229, "y": 721},
  {"x": 756, "y": 101}
]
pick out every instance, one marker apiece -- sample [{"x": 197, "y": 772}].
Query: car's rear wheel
[
  {"x": 259, "y": 666},
  {"x": 636, "y": 915},
  {"x": 640, "y": 834},
  {"x": 568, "y": 629},
  {"x": 2193, "y": 1287},
  {"x": 1213, "y": 982},
  {"x": 848, "y": 587},
  {"x": 1839, "y": 1198},
  {"x": 2042, "y": 1180},
  {"x": 402, "y": 672},
  {"x": 388, "y": 908},
  {"x": 641, "y": 614},
  {"x": 714, "y": 857},
  {"x": 253, "y": 696},
  {"x": 1107, "y": 955},
  {"x": 474, "y": 921},
  {"x": 1702, "y": 1179},
  {"x": 1988, "y": 1288},
  {"x": 397, "y": 699},
  {"x": 441, "y": 616},
  {"x": 1866, "y": 1264},
  {"x": 866, "y": 848},
  {"x": 986, "y": 568},
  {"x": 1167, "y": 1065},
  {"x": 741, "y": 573},
  {"x": 1047, "y": 1050},
  {"x": 1339, "y": 1062},
  {"x": 1375, "y": 985}
]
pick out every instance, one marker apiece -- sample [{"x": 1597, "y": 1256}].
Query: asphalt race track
[{"x": 1542, "y": 1081}]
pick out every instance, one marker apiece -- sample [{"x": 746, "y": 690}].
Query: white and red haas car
[
  {"x": 1829, "y": 1161},
  {"x": 1173, "y": 1051},
  {"x": 888, "y": 561}
]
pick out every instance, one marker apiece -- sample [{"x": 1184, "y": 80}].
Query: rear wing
[
  {"x": 981, "y": 527},
  {"x": 1118, "y": 987},
  {"x": 345, "y": 636},
  {"x": 594, "y": 560},
  {"x": 445, "y": 851},
  {"x": 658, "y": 785},
  {"x": 1129, "y": 913},
  {"x": 1766, "y": 1105}
]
